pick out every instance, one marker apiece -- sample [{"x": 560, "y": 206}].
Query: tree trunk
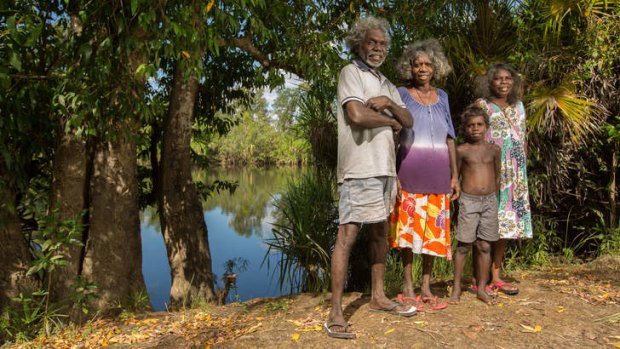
[
  {"x": 181, "y": 214},
  {"x": 113, "y": 258},
  {"x": 69, "y": 196},
  {"x": 613, "y": 219},
  {"x": 15, "y": 256}
]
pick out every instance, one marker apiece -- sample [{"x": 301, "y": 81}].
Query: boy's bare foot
[{"x": 455, "y": 297}]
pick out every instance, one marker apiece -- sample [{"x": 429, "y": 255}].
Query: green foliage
[
  {"x": 393, "y": 282},
  {"x": 608, "y": 237},
  {"x": 317, "y": 123},
  {"x": 33, "y": 317},
  {"x": 279, "y": 305},
  {"x": 54, "y": 238},
  {"x": 139, "y": 301},
  {"x": 305, "y": 232},
  {"x": 530, "y": 253},
  {"x": 84, "y": 292},
  {"x": 36, "y": 314},
  {"x": 261, "y": 137}
]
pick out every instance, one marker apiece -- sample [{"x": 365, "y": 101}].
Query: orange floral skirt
[{"x": 421, "y": 222}]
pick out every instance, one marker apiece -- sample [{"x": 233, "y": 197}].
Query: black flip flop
[{"x": 499, "y": 287}]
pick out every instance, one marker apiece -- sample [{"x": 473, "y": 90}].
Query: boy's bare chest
[{"x": 479, "y": 155}]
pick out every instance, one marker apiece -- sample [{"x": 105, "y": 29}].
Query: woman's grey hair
[
  {"x": 357, "y": 33},
  {"x": 434, "y": 51},
  {"x": 482, "y": 85}
]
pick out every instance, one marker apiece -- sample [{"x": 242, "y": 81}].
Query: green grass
[{"x": 305, "y": 232}]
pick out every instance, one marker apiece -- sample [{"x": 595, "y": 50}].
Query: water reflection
[{"x": 238, "y": 223}]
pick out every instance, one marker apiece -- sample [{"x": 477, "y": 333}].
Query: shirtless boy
[{"x": 479, "y": 169}]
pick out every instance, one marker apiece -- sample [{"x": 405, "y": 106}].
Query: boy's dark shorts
[{"x": 477, "y": 218}]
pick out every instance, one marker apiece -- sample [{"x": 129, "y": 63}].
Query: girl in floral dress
[{"x": 501, "y": 90}]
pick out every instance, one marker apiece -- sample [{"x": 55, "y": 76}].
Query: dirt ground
[{"x": 558, "y": 307}]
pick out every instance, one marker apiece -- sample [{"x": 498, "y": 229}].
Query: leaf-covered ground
[{"x": 558, "y": 307}]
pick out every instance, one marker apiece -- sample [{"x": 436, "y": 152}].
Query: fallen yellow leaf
[
  {"x": 537, "y": 328},
  {"x": 389, "y": 331},
  {"x": 295, "y": 336},
  {"x": 209, "y": 5},
  {"x": 500, "y": 305},
  {"x": 295, "y": 322},
  {"x": 560, "y": 309},
  {"x": 259, "y": 318},
  {"x": 617, "y": 345}
]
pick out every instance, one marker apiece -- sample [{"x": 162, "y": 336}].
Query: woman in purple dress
[{"x": 427, "y": 171}]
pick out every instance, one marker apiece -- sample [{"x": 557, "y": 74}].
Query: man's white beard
[{"x": 372, "y": 65}]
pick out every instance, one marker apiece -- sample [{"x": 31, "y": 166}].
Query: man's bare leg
[
  {"x": 347, "y": 234},
  {"x": 378, "y": 250}
]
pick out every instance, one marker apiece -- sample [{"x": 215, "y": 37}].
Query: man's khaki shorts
[{"x": 366, "y": 200}]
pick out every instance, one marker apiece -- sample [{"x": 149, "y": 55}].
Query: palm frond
[{"x": 561, "y": 110}]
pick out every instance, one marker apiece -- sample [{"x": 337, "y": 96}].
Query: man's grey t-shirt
[{"x": 362, "y": 152}]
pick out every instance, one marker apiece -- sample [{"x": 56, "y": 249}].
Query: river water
[{"x": 238, "y": 225}]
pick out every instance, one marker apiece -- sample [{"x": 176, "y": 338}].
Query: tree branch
[{"x": 245, "y": 43}]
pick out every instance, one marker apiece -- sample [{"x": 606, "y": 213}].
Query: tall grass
[{"x": 305, "y": 232}]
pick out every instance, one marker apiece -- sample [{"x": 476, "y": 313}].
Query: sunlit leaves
[
  {"x": 575, "y": 13},
  {"x": 560, "y": 110}
]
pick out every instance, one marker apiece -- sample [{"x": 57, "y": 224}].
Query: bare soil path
[{"x": 574, "y": 306}]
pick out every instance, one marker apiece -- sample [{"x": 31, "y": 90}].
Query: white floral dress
[{"x": 508, "y": 132}]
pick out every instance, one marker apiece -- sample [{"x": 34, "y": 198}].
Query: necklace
[{"x": 428, "y": 99}]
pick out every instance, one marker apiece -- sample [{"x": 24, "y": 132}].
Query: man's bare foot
[
  {"x": 484, "y": 296},
  {"x": 383, "y": 304},
  {"x": 337, "y": 318}
]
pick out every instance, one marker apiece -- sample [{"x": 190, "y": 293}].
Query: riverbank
[{"x": 558, "y": 307}]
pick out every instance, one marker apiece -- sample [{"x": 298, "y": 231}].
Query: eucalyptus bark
[
  {"x": 113, "y": 256},
  {"x": 181, "y": 213}
]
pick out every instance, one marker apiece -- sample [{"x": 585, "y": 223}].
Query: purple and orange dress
[{"x": 421, "y": 218}]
